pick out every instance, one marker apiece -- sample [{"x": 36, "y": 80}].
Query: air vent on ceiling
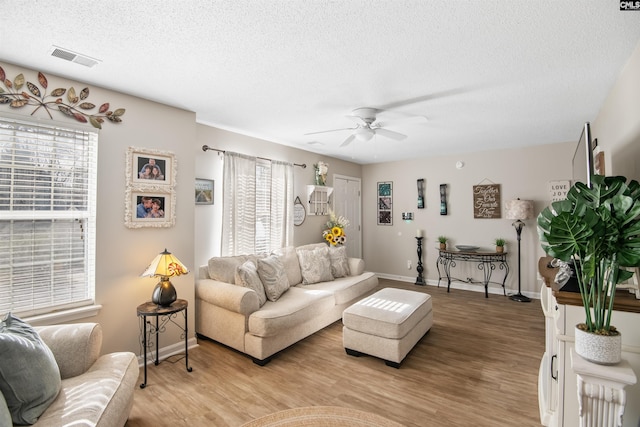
[{"x": 68, "y": 55}]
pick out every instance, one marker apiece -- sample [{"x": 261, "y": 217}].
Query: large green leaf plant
[{"x": 598, "y": 228}]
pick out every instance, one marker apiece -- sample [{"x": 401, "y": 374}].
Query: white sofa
[{"x": 231, "y": 313}]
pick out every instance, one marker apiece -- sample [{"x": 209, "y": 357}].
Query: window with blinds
[{"x": 47, "y": 216}]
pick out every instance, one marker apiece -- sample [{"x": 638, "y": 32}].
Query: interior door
[{"x": 347, "y": 201}]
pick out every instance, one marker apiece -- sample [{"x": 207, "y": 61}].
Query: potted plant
[
  {"x": 443, "y": 242},
  {"x": 598, "y": 229},
  {"x": 499, "y": 242}
]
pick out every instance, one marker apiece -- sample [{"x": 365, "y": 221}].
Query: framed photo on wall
[
  {"x": 152, "y": 168},
  {"x": 204, "y": 191},
  {"x": 149, "y": 209},
  {"x": 385, "y": 203}
]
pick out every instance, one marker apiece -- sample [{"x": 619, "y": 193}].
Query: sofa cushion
[
  {"x": 247, "y": 276},
  {"x": 339, "y": 262},
  {"x": 315, "y": 265},
  {"x": 296, "y": 306},
  {"x": 223, "y": 269},
  {"x": 29, "y": 376},
  {"x": 291, "y": 265},
  {"x": 346, "y": 289},
  {"x": 273, "y": 276}
]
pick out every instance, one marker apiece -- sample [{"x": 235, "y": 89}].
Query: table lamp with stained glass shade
[{"x": 164, "y": 265}]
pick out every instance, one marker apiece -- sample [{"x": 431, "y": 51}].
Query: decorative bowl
[{"x": 467, "y": 248}]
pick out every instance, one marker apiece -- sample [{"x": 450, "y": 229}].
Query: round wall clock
[{"x": 299, "y": 213}]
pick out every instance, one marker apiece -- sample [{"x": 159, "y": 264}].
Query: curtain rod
[{"x": 206, "y": 147}]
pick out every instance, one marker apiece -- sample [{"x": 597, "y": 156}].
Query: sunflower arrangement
[{"x": 334, "y": 234}]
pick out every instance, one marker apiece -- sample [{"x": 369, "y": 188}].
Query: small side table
[{"x": 163, "y": 315}]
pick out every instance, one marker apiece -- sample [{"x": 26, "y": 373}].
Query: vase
[
  {"x": 443, "y": 246},
  {"x": 600, "y": 349},
  {"x": 499, "y": 249},
  {"x": 319, "y": 178}
]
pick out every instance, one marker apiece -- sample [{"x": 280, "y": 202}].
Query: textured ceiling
[{"x": 487, "y": 74}]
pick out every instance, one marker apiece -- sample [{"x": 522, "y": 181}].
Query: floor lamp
[{"x": 519, "y": 210}]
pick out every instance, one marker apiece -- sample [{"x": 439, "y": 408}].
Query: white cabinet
[
  {"x": 318, "y": 199},
  {"x": 557, "y": 382}
]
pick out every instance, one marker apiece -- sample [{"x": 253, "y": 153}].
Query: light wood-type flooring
[{"x": 478, "y": 366}]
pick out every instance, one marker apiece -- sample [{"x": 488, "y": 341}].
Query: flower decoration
[
  {"x": 322, "y": 169},
  {"x": 334, "y": 233}
]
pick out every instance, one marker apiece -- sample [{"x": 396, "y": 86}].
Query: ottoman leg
[{"x": 353, "y": 352}]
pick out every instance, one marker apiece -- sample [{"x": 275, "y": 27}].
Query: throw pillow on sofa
[
  {"x": 315, "y": 265},
  {"x": 273, "y": 276},
  {"x": 5, "y": 415},
  {"x": 339, "y": 262},
  {"x": 247, "y": 276},
  {"x": 29, "y": 375}
]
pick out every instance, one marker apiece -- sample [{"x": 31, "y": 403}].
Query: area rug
[{"x": 313, "y": 416}]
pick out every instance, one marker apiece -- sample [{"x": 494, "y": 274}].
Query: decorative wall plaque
[
  {"x": 558, "y": 190},
  {"x": 486, "y": 201}
]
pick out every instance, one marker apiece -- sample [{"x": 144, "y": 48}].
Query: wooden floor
[{"x": 477, "y": 366}]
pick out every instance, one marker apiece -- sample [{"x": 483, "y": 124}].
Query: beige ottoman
[{"x": 387, "y": 324}]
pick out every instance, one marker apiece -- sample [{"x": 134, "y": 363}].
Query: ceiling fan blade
[
  {"x": 331, "y": 130},
  {"x": 348, "y": 140},
  {"x": 403, "y": 121},
  {"x": 390, "y": 134}
]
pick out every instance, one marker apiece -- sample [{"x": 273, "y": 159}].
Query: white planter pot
[{"x": 600, "y": 349}]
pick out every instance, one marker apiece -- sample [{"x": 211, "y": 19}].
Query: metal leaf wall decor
[{"x": 74, "y": 106}]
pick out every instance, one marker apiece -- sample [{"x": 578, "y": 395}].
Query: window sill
[{"x": 64, "y": 315}]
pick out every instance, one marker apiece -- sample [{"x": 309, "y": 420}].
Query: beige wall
[
  {"x": 123, "y": 253},
  {"x": 209, "y": 165},
  {"x": 522, "y": 173},
  {"x": 617, "y": 126}
]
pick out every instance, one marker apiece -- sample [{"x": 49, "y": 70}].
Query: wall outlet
[{"x": 409, "y": 264}]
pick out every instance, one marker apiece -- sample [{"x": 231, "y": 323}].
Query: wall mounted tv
[{"x": 583, "y": 157}]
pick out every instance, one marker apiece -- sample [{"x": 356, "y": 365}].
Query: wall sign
[
  {"x": 299, "y": 212},
  {"x": 558, "y": 190},
  {"x": 486, "y": 201}
]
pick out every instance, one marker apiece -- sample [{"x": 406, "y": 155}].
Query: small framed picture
[
  {"x": 150, "y": 168},
  {"x": 385, "y": 203},
  {"x": 204, "y": 191},
  {"x": 149, "y": 209}
]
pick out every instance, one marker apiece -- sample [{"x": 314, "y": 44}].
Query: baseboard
[
  {"x": 458, "y": 285},
  {"x": 168, "y": 351}
]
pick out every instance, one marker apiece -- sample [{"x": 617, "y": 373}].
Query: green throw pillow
[
  {"x": 5, "y": 415},
  {"x": 29, "y": 375}
]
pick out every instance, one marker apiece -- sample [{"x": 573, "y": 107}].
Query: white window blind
[
  {"x": 47, "y": 216},
  {"x": 258, "y": 205}
]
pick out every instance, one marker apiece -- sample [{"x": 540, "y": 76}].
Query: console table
[{"x": 486, "y": 262}]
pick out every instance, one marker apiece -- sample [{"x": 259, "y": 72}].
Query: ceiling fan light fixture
[{"x": 364, "y": 134}]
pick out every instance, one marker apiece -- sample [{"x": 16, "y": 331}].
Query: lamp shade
[
  {"x": 165, "y": 265},
  {"x": 519, "y": 209}
]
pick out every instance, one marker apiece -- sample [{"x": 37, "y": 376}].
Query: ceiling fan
[{"x": 367, "y": 126}]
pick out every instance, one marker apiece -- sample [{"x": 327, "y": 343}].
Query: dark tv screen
[{"x": 583, "y": 157}]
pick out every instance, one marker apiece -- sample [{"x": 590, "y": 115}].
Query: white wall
[
  {"x": 617, "y": 126},
  {"x": 123, "y": 253},
  {"x": 209, "y": 165},
  {"x": 522, "y": 173}
]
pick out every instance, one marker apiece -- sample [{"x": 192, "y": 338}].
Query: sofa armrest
[
  {"x": 230, "y": 297},
  {"x": 356, "y": 266},
  {"x": 76, "y": 346}
]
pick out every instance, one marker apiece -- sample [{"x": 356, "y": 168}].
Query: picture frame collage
[{"x": 150, "y": 198}]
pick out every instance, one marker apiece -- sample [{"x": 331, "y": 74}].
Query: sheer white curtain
[
  {"x": 281, "y": 204},
  {"x": 239, "y": 209},
  {"x": 258, "y": 205}
]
